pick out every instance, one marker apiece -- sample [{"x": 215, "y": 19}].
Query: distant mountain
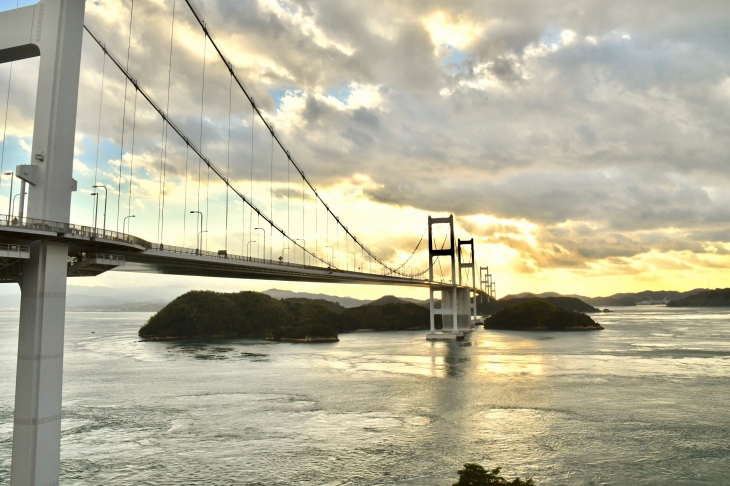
[
  {"x": 707, "y": 298},
  {"x": 392, "y": 299},
  {"x": 149, "y": 306},
  {"x": 529, "y": 295},
  {"x": 615, "y": 300},
  {"x": 629, "y": 299},
  {"x": 345, "y": 302}
]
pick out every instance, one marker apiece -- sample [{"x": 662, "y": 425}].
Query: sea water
[{"x": 643, "y": 402}]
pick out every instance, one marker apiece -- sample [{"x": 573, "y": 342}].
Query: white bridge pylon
[
  {"x": 458, "y": 301},
  {"x": 51, "y": 29}
]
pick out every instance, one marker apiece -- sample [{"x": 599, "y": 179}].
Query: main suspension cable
[{"x": 204, "y": 26}]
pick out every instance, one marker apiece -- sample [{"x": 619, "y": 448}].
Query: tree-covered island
[
  {"x": 538, "y": 315},
  {"x": 207, "y": 314}
]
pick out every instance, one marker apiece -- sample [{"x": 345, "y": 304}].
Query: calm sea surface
[{"x": 647, "y": 401}]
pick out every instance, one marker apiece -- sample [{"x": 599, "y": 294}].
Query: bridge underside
[{"x": 92, "y": 252}]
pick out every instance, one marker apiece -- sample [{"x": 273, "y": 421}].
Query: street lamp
[
  {"x": 304, "y": 249},
  {"x": 353, "y": 260},
  {"x": 332, "y": 255},
  {"x": 96, "y": 207},
  {"x": 281, "y": 258},
  {"x": 248, "y": 249},
  {"x": 102, "y": 186},
  {"x": 10, "y": 197},
  {"x": 124, "y": 223},
  {"x": 263, "y": 232},
  {"x": 200, "y": 234},
  {"x": 12, "y": 208}
]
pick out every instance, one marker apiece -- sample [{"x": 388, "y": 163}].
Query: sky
[{"x": 582, "y": 144}]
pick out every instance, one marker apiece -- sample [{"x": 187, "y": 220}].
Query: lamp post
[
  {"x": 102, "y": 186},
  {"x": 96, "y": 207},
  {"x": 263, "y": 232},
  {"x": 353, "y": 260},
  {"x": 282, "y": 253},
  {"x": 332, "y": 255},
  {"x": 124, "y": 223},
  {"x": 12, "y": 208},
  {"x": 200, "y": 233},
  {"x": 304, "y": 249},
  {"x": 248, "y": 249},
  {"x": 10, "y": 197}
]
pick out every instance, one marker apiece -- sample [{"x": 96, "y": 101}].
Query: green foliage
[
  {"x": 236, "y": 315},
  {"x": 476, "y": 475},
  {"x": 255, "y": 315},
  {"x": 386, "y": 317},
  {"x": 538, "y": 315}
]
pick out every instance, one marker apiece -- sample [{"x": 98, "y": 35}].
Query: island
[
  {"x": 206, "y": 314},
  {"x": 707, "y": 298},
  {"x": 571, "y": 304},
  {"x": 216, "y": 315},
  {"x": 538, "y": 315}
]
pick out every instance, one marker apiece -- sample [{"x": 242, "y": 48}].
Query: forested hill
[
  {"x": 207, "y": 314},
  {"x": 538, "y": 315},
  {"x": 566, "y": 303},
  {"x": 708, "y": 298}
]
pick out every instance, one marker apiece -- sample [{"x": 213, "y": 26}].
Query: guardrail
[
  {"x": 120, "y": 259},
  {"x": 14, "y": 248},
  {"x": 114, "y": 236}
]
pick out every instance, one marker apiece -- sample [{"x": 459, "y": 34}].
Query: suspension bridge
[{"x": 231, "y": 203}]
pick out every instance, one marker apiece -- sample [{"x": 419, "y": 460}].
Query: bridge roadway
[{"x": 93, "y": 251}]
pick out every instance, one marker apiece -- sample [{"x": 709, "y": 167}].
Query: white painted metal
[{"x": 52, "y": 29}]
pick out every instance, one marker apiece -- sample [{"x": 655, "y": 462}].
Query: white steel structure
[{"x": 51, "y": 29}]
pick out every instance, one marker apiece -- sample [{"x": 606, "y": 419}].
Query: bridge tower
[
  {"x": 470, "y": 267},
  {"x": 484, "y": 281},
  {"x": 455, "y": 306},
  {"x": 51, "y": 29}
]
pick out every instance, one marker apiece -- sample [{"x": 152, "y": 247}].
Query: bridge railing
[
  {"x": 98, "y": 233},
  {"x": 31, "y": 224},
  {"x": 14, "y": 248}
]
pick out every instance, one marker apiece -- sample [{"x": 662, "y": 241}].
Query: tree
[{"x": 476, "y": 475}]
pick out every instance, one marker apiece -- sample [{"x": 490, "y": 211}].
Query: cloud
[{"x": 587, "y": 135}]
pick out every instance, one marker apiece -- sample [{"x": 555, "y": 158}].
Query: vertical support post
[
  {"x": 455, "y": 309},
  {"x": 432, "y": 319},
  {"x": 53, "y": 30},
  {"x": 21, "y": 206}
]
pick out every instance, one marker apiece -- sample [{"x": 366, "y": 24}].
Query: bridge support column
[
  {"x": 37, "y": 425},
  {"x": 53, "y": 30}
]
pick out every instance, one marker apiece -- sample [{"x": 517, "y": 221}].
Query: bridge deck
[{"x": 97, "y": 251}]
